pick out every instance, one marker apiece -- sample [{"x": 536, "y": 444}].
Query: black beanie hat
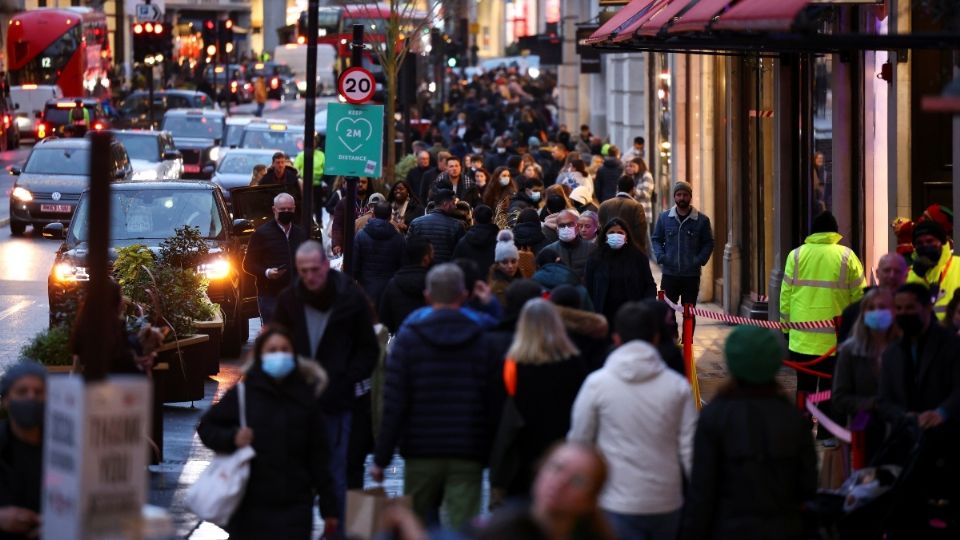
[
  {"x": 824, "y": 222},
  {"x": 932, "y": 228}
]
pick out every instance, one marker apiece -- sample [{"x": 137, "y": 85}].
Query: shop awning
[
  {"x": 699, "y": 16},
  {"x": 663, "y": 17},
  {"x": 761, "y": 15},
  {"x": 653, "y": 18},
  {"x": 618, "y": 22}
]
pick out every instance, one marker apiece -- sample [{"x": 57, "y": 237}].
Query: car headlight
[
  {"x": 146, "y": 174},
  {"x": 21, "y": 194},
  {"x": 215, "y": 269},
  {"x": 215, "y": 153},
  {"x": 66, "y": 272},
  {"x": 302, "y": 86}
]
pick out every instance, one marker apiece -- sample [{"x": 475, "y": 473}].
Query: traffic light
[
  {"x": 226, "y": 31},
  {"x": 151, "y": 41}
]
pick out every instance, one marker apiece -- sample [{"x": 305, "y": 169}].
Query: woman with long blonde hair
[{"x": 549, "y": 372}]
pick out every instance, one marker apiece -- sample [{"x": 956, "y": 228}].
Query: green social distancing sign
[{"x": 354, "y": 140}]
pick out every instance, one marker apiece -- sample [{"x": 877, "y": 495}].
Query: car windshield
[
  {"x": 238, "y": 163},
  {"x": 153, "y": 214},
  {"x": 233, "y": 135},
  {"x": 143, "y": 147},
  {"x": 289, "y": 142},
  {"x": 59, "y": 161},
  {"x": 201, "y": 127}
]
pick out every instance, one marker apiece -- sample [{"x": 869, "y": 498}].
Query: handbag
[
  {"x": 217, "y": 493},
  {"x": 505, "y": 456}
]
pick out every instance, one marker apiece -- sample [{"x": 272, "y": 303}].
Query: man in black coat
[
  {"x": 438, "y": 404},
  {"x": 480, "y": 241},
  {"x": 378, "y": 253},
  {"x": 415, "y": 175},
  {"x": 270, "y": 254},
  {"x": 441, "y": 226},
  {"x": 605, "y": 184},
  {"x": 920, "y": 386},
  {"x": 404, "y": 292},
  {"x": 332, "y": 322},
  {"x": 281, "y": 173}
]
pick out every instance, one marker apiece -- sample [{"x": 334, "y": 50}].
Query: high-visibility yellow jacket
[
  {"x": 319, "y": 161},
  {"x": 945, "y": 276},
  {"x": 820, "y": 280}
]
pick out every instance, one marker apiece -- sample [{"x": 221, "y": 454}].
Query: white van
[
  {"x": 28, "y": 102},
  {"x": 295, "y": 56}
]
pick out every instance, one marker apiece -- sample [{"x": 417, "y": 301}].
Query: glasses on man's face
[{"x": 566, "y": 225}]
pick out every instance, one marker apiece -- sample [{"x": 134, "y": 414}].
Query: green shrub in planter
[{"x": 50, "y": 347}]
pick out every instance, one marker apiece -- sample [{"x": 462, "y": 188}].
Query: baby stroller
[{"x": 909, "y": 491}]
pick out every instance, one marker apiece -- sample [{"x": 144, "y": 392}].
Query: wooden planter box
[
  {"x": 214, "y": 329},
  {"x": 181, "y": 369}
]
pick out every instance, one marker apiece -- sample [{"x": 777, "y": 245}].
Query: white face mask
[
  {"x": 616, "y": 240},
  {"x": 504, "y": 181},
  {"x": 567, "y": 234}
]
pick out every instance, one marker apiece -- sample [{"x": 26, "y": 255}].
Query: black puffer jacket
[
  {"x": 605, "y": 184},
  {"x": 478, "y": 244},
  {"x": 529, "y": 235},
  {"x": 377, "y": 256},
  {"x": 438, "y": 399},
  {"x": 442, "y": 230},
  {"x": 292, "y": 464},
  {"x": 402, "y": 296},
  {"x": 348, "y": 350},
  {"x": 754, "y": 466}
]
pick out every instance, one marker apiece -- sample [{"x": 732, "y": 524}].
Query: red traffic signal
[{"x": 138, "y": 29}]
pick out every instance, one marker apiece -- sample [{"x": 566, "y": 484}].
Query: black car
[
  {"x": 230, "y": 80},
  {"x": 197, "y": 134},
  {"x": 147, "y": 213},
  {"x": 58, "y": 118},
  {"x": 134, "y": 113},
  {"x": 56, "y": 173},
  {"x": 279, "y": 79}
]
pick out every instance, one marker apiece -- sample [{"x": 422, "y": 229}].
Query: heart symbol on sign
[{"x": 354, "y": 122}]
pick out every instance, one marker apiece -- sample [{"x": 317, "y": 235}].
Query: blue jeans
[
  {"x": 338, "y": 436},
  {"x": 267, "y": 305},
  {"x": 645, "y": 526}
]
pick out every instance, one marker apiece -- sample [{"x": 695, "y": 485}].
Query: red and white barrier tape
[
  {"x": 819, "y": 397},
  {"x": 734, "y": 319}
]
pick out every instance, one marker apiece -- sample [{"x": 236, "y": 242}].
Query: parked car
[
  {"x": 236, "y": 167},
  {"x": 57, "y": 117},
  {"x": 153, "y": 155},
  {"x": 274, "y": 135},
  {"x": 234, "y": 131},
  {"x": 56, "y": 173},
  {"x": 28, "y": 102},
  {"x": 197, "y": 133},
  {"x": 134, "y": 113},
  {"x": 148, "y": 213}
]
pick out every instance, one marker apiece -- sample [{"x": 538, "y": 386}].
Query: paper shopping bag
[{"x": 365, "y": 510}]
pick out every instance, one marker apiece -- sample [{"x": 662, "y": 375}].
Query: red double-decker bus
[{"x": 67, "y": 47}]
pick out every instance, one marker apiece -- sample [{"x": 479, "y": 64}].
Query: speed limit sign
[{"x": 357, "y": 85}]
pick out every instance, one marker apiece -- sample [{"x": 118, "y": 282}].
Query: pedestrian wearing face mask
[
  {"x": 530, "y": 196},
  {"x": 935, "y": 264},
  {"x": 920, "y": 383},
  {"x": 500, "y": 189},
  {"x": 270, "y": 254},
  {"x": 856, "y": 381},
  {"x": 285, "y": 426},
  {"x": 23, "y": 396},
  {"x": 617, "y": 272},
  {"x": 506, "y": 267},
  {"x": 573, "y": 250}
]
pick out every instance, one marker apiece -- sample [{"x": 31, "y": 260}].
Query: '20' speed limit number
[{"x": 357, "y": 85}]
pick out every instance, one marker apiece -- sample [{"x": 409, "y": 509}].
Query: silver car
[
  {"x": 236, "y": 168},
  {"x": 153, "y": 155}
]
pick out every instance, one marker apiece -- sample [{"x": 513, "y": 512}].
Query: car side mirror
[
  {"x": 14, "y": 170},
  {"x": 120, "y": 174},
  {"x": 243, "y": 227},
  {"x": 208, "y": 169},
  {"x": 172, "y": 154},
  {"x": 55, "y": 231}
]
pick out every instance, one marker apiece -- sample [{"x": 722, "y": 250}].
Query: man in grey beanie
[{"x": 682, "y": 245}]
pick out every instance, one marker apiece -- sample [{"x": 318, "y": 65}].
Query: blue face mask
[
  {"x": 535, "y": 196},
  {"x": 278, "y": 364},
  {"x": 878, "y": 319}
]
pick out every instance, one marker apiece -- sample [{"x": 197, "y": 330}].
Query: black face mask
[
  {"x": 26, "y": 413},
  {"x": 285, "y": 218},
  {"x": 910, "y": 324},
  {"x": 929, "y": 252}
]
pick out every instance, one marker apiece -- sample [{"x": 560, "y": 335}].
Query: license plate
[
  {"x": 191, "y": 168},
  {"x": 56, "y": 208}
]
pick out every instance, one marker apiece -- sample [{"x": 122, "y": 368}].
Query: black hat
[
  {"x": 824, "y": 222},
  {"x": 930, "y": 227}
]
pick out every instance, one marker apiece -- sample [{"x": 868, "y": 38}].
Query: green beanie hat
[{"x": 754, "y": 354}]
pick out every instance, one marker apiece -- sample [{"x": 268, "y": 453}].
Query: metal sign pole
[
  {"x": 356, "y": 60},
  {"x": 98, "y": 329},
  {"x": 310, "y": 110}
]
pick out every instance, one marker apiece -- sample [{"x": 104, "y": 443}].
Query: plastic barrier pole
[{"x": 688, "y": 361}]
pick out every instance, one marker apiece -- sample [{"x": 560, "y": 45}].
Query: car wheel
[
  {"x": 17, "y": 228},
  {"x": 236, "y": 331}
]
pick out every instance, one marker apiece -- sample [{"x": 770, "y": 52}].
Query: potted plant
[
  {"x": 50, "y": 347},
  {"x": 167, "y": 290}
]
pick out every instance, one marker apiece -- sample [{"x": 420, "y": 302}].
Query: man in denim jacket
[{"x": 682, "y": 244}]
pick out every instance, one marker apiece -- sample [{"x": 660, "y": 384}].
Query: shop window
[{"x": 821, "y": 181}]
